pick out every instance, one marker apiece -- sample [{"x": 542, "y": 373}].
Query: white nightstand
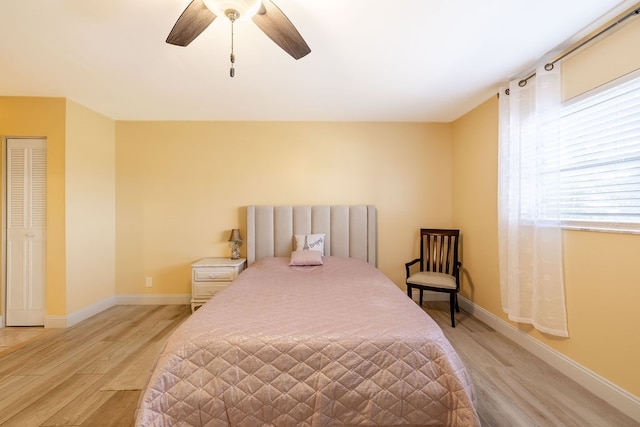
[{"x": 211, "y": 275}]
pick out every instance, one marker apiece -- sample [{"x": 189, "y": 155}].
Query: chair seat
[{"x": 436, "y": 280}]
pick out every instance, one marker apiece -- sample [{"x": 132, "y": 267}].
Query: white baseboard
[
  {"x": 55, "y": 321},
  {"x": 169, "y": 299},
  {"x": 603, "y": 388},
  {"x": 66, "y": 321},
  {"x": 92, "y": 310}
]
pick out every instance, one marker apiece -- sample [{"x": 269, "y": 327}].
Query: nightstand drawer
[
  {"x": 211, "y": 275},
  {"x": 218, "y": 274},
  {"x": 207, "y": 290}
]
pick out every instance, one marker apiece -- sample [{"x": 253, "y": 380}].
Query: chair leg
[
  {"x": 457, "y": 306},
  {"x": 421, "y": 295},
  {"x": 452, "y": 304}
]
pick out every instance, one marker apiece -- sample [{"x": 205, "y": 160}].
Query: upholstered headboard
[{"x": 350, "y": 231}]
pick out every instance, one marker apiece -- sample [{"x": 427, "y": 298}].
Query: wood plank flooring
[
  {"x": 516, "y": 388},
  {"x": 92, "y": 374},
  {"x": 89, "y": 375}
]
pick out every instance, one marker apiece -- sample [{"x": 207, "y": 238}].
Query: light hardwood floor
[
  {"x": 516, "y": 388},
  {"x": 87, "y": 375},
  {"x": 92, "y": 374}
]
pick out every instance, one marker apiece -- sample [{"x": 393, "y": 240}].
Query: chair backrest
[{"x": 439, "y": 250}]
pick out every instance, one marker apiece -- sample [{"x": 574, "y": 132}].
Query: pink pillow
[{"x": 306, "y": 258}]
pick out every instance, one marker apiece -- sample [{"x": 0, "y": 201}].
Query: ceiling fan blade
[
  {"x": 277, "y": 26},
  {"x": 195, "y": 18}
]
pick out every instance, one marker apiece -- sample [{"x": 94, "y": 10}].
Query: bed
[{"x": 335, "y": 343}]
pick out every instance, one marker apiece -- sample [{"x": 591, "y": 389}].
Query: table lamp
[{"x": 236, "y": 241}]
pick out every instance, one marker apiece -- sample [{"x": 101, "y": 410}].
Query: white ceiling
[{"x": 371, "y": 60}]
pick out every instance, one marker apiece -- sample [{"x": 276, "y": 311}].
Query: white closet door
[{"x": 26, "y": 231}]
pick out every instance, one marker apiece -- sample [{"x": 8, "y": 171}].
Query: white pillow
[
  {"x": 306, "y": 258},
  {"x": 310, "y": 242}
]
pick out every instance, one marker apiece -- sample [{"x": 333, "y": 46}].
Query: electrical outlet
[{"x": 148, "y": 282}]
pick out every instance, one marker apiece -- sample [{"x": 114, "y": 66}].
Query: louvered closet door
[{"x": 26, "y": 231}]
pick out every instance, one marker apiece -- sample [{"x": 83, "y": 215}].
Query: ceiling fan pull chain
[{"x": 232, "y": 57}]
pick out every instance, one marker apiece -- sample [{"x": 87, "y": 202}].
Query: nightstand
[{"x": 211, "y": 275}]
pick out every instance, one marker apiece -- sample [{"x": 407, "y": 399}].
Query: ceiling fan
[{"x": 199, "y": 14}]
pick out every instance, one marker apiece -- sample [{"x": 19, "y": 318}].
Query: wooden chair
[{"x": 439, "y": 266}]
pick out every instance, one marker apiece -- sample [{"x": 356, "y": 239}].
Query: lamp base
[{"x": 235, "y": 251}]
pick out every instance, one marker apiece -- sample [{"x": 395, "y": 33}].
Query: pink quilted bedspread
[{"x": 337, "y": 344}]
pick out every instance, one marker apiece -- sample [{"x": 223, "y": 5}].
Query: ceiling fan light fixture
[
  {"x": 199, "y": 14},
  {"x": 245, "y": 9}
]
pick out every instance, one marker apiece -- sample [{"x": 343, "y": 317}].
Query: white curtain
[{"x": 530, "y": 237}]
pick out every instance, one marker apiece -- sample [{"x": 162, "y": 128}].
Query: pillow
[
  {"x": 306, "y": 258},
  {"x": 310, "y": 242}
]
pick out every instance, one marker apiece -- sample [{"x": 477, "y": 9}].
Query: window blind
[{"x": 599, "y": 157}]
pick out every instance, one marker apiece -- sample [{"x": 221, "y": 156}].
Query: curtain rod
[{"x": 549, "y": 66}]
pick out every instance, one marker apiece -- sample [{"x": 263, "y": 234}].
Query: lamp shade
[{"x": 235, "y": 236}]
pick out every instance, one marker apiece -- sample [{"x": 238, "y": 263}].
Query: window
[{"x": 599, "y": 158}]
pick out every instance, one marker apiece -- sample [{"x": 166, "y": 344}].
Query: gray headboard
[{"x": 350, "y": 230}]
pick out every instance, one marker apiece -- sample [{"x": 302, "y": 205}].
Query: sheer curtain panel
[{"x": 530, "y": 244}]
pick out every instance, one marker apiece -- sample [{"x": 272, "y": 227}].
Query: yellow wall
[
  {"x": 601, "y": 279},
  {"x": 45, "y": 117},
  {"x": 90, "y": 207},
  {"x": 475, "y": 205},
  {"x": 610, "y": 58},
  {"x": 181, "y": 187}
]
